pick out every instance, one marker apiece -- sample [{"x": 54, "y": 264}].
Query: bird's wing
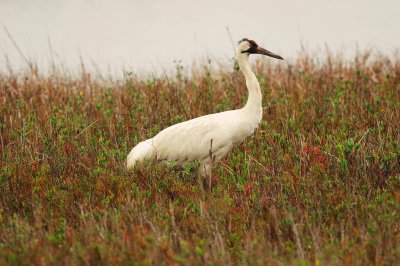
[{"x": 191, "y": 140}]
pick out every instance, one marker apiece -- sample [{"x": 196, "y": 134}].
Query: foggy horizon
[{"x": 141, "y": 36}]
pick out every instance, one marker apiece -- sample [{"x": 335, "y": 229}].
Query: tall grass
[{"x": 318, "y": 183}]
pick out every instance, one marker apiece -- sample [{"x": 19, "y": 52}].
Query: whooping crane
[{"x": 211, "y": 135}]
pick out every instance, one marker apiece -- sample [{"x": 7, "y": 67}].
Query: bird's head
[{"x": 246, "y": 46}]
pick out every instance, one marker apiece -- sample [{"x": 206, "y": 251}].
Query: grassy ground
[{"x": 318, "y": 183}]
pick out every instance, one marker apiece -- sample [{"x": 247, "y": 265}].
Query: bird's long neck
[{"x": 254, "y": 102}]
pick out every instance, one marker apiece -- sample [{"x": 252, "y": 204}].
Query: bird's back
[{"x": 191, "y": 140}]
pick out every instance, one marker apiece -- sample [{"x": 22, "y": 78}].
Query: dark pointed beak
[{"x": 263, "y": 51}]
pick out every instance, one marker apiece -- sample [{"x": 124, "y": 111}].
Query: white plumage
[{"x": 191, "y": 140}]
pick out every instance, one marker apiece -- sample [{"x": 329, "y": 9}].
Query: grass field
[{"x": 317, "y": 184}]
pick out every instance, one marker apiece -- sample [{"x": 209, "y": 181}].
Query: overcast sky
[{"x": 149, "y": 35}]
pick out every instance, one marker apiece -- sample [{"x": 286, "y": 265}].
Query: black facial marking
[
  {"x": 253, "y": 46},
  {"x": 253, "y": 43},
  {"x": 251, "y": 50}
]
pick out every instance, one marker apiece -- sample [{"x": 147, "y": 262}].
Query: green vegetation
[{"x": 318, "y": 183}]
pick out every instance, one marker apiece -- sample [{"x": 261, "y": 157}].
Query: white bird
[{"x": 208, "y": 138}]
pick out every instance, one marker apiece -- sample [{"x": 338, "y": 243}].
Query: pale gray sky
[{"x": 150, "y": 35}]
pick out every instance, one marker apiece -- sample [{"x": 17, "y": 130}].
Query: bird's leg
[
  {"x": 212, "y": 158},
  {"x": 203, "y": 172}
]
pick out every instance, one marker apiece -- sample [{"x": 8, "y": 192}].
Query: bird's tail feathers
[{"x": 142, "y": 151}]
